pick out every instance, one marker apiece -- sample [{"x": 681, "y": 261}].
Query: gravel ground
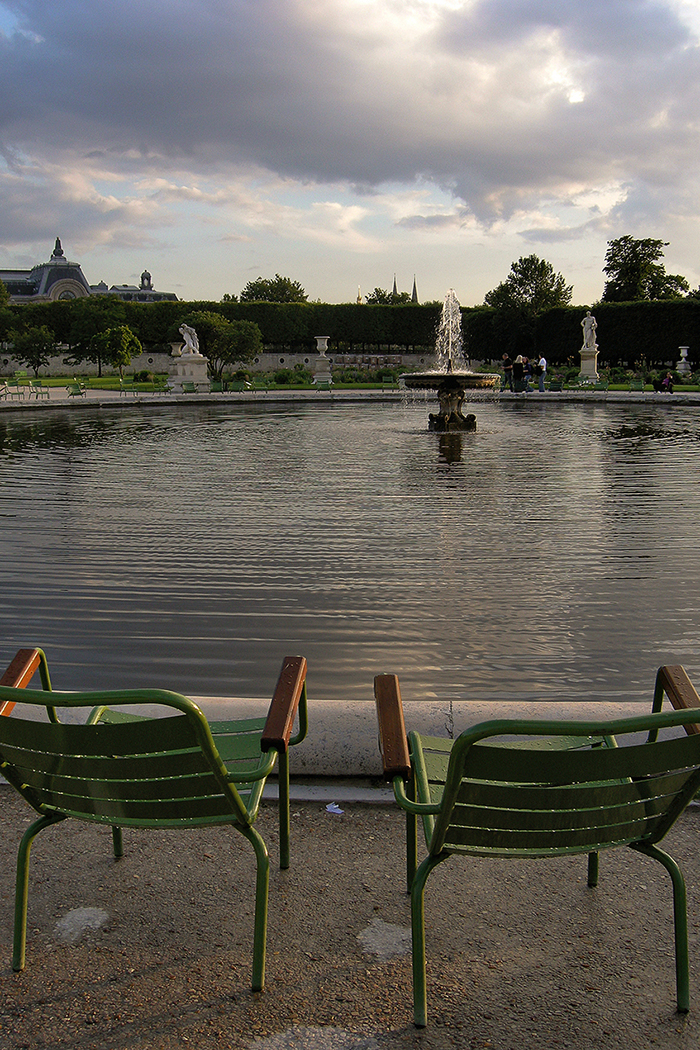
[{"x": 154, "y": 952}]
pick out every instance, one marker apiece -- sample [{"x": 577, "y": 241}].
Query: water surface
[{"x": 553, "y": 554}]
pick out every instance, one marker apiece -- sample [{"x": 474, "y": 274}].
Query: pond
[{"x": 551, "y": 555}]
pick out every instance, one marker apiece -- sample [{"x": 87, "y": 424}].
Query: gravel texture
[{"x": 153, "y": 952}]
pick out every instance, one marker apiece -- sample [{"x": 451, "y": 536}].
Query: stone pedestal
[
  {"x": 189, "y": 369},
  {"x": 589, "y": 363},
  {"x": 683, "y": 367},
  {"x": 322, "y": 366}
]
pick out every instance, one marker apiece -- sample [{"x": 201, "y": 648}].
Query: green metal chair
[
  {"x": 37, "y": 388},
  {"x": 511, "y": 788},
  {"x": 126, "y": 771}
]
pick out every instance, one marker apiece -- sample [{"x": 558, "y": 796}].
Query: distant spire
[
  {"x": 359, "y": 296},
  {"x": 414, "y": 293},
  {"x": 395, "y": 290}
]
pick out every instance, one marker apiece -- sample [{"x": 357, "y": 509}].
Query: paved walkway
[
  {"x": 153, "y": 952},
  {"x": 113, "y": 398}
]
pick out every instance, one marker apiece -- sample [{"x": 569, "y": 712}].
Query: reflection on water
[{"x": 552, "y": 554}]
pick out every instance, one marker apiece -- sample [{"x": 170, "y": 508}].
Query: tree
[
  {"x": 380, "y": 297},
  {"x": 634, "y": 272},
  {"x": 4, "y": 294},
  {"x": 273, "y": 290},
  {"x": 531, "y": 287},
  {"x": 34, "y": 346},
  {"x": 116, "y": 346},
  {"x": 238, "y": 343},
  {"x": 89, "y": 317}
]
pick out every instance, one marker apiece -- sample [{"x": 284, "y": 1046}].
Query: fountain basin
[{"x": 434, "y": 380}]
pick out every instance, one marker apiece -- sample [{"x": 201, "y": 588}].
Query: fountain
[{"x": 451, "y": 379}]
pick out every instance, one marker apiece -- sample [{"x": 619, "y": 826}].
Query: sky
[{"x": 340, "y": 142}]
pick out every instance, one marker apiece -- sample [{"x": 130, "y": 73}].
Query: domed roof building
[{"x": 60, "y": 279}]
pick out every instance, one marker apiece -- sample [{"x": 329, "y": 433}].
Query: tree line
[{"x": 528, "y": 313}]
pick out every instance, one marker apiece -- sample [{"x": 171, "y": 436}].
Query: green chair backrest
[
  {"x": 508, "y": 800},
  {"x": 160, "y": 772}
]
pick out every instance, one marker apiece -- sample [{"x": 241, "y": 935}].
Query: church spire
[
  {"x": 414, "y": 293},
  {"x": 395, "y": 289}
]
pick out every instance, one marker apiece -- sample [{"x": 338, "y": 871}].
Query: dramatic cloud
[{"x": 557, "y": 119}]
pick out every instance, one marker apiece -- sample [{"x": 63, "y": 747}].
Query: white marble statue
[
  {"x": 589, "y": 326},
  {"x": 191, "y": 341}
]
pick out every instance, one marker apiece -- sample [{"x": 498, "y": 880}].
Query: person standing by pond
[
  {"x": 541, "y": 372},
  {"x": 518, "y": 374},
  {"x": 507, "y": 373}
]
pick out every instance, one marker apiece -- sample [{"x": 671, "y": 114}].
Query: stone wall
[{"x": 267, "y": 362}]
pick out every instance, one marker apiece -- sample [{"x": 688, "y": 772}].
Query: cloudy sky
[{"x": 341, "y": 141}]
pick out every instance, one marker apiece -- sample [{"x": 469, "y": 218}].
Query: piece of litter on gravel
[
  {"x": 73, "y": 925},
  {"x": 333, "y": 807}
]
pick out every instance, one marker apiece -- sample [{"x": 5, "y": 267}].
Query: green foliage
[
  {"x": 4, "y": 294},
  {"x": 116, "y": 346},
  {"x": 634, "y": 272},
  {"x": 273, "y": 290},
  {"x": 33, "y": 347},
  {"x": 225, "y": 342},
  {"x": 380, "y": 297},
  {"x": 531, "y": 287},
  {"x": 297, "y": 376}
]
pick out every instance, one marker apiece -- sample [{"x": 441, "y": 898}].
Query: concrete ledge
[{"x": 343, "y": 739}]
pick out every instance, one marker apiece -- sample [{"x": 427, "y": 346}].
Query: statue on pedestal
[
  {"x": 191, "y": 341},
  {"x": 589, "y": 326},
  {"x": 589, "y": 350}
]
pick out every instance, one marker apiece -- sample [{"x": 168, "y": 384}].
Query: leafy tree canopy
[
  {"x": 531, "y": 287},
  {"x": 380, "y": 297},
  {"x": 273, "y": 290},
  {"x": 116, "y": 346},
  {"x": 34, "y": 346},
  {"x": 634, "y": 272},
  {"x": 4, "y": 294}
]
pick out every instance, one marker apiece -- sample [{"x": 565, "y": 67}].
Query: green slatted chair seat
[{"x": 525, "y": 789}]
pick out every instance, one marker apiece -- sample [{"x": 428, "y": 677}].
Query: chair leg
[
  {"x": 117, "y": 843},
  {"x": 593, "y": 869},
  {"x": 262, "y": 882},
  {"x": 420, "y": 993},
  {"x": 22, "y": 887},
  {"x": 680, "y": 922},
  {"x": 284, "y": 808}
]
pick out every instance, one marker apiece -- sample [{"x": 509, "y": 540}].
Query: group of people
[
  {"x": 518, "y": 374},
  {"x": 665, "y": 385}
]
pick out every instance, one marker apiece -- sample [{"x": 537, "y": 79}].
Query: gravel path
[{"x": 153, "y": 952}]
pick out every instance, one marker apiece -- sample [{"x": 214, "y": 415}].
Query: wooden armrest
[
  {"x": 19, "y": 674},
  {"x": 392, "y": 728},
  {"x": 285, "y": 701},
  {"x": 680, "y": 691}
]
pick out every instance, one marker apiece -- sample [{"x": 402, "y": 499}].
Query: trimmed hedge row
[{"x": 629, "y": 334}]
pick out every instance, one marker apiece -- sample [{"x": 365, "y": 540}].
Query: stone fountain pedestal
[
  {"x": 188, "y": 368},
  {"x": 451, "y": 388}
]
